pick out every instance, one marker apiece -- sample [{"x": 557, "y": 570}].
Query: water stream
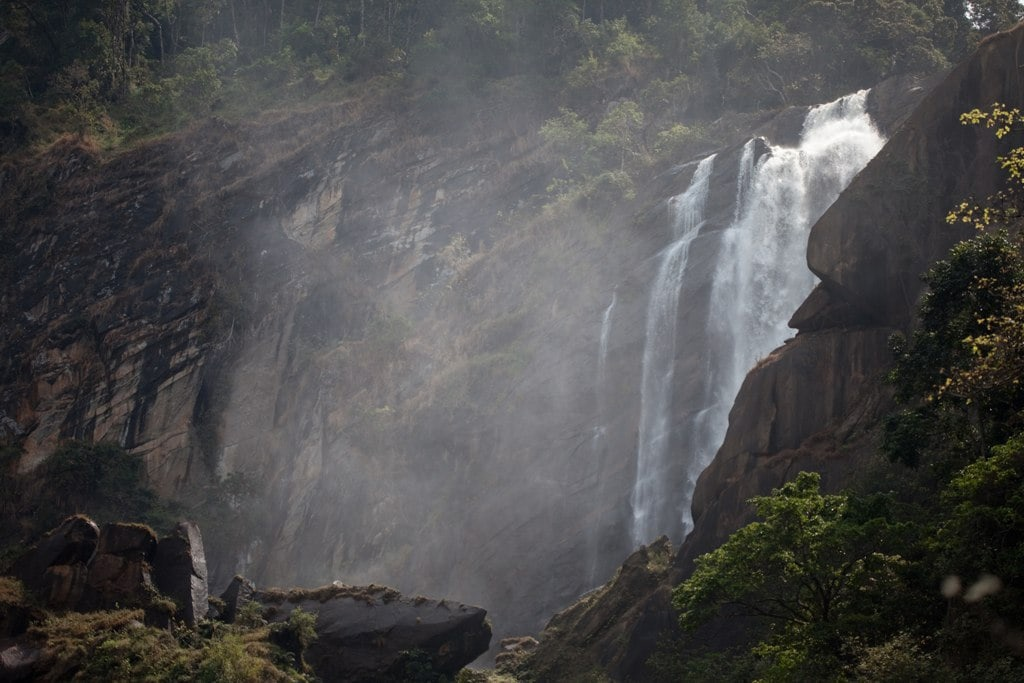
[
  {"x": 758, "y": 280},
  {"x": 651, "y": 486}
]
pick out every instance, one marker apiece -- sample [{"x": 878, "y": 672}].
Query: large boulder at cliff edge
[{"x": 368, "y": 633}]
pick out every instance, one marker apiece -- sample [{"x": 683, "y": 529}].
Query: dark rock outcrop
[
  {"x": 55, "y": 569},
  {"x": 120, "y": 572},
  {"x": 235, "y": 596},
  {"x": 588, "y": 637},
  {"x": 363, "y": 633},
  {"x": 179, "y": 571},
  {"x": 15, "y": 609}
]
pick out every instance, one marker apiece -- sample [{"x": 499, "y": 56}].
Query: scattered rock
[
  {"x": 55, "y": 569},
  {"x": 119, "y": 573},
  {"x": 234, "y": 597},
  {"x": 180, "y": 572},
  {"x": 17, "y": 662}
]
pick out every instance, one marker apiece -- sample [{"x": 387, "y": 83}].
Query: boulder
[
  {"x": 238, "y": 592},
  {"x": 180, "y": 572},
  {"x": 119, "y": 573},
  {"x": 368, "y": 633},
  {"x": 55, "y": 568}
]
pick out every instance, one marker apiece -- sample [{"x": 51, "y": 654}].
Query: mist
[{"x": 477, "y": 289}]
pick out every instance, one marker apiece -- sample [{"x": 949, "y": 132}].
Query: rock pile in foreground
[{"x": 369, "y": 633}]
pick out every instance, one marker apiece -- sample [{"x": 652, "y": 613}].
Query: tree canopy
[
  {"x": 152, "y": 64},
  {"x": 811, "y": 568}
]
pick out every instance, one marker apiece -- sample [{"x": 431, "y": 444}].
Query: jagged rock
[
  {"x": 179, "y": 571},
  {"x": 363, "y": 633},
  {"x": 119, "y": 573},
  {"x": 596, "y": 634},
  {"x": 235, "y": 596},
  {"x": 55, "y": 569}
]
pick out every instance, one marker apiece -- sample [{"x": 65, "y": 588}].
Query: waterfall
[
  {"x": 763, "y": 275},
  {"x": 743, "y": 176},
  {"x": 759, "y": 279},
  {"x": 602, "y": 346},
  {"x": 652, "y": 487}
]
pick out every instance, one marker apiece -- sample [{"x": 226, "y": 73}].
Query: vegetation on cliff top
[{"x": 124, "y": 69}]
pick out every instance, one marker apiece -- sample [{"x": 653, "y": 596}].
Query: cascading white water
[
  {"x": 651, "y": 486},
  {"x": 602, "y": 347},
  {"x": 763, "y": 275},
  {"x": 759, "y": 279},
  {"x": 743, "y": 177}
]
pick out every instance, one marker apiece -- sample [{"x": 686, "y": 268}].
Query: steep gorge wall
[
  {"x": 375, "y": 326},
  {"x": 336, "y": 306}
]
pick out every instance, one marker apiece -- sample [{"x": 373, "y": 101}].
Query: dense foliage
[
  {"x": 926, "y": 581},
  {"x": 815, "y": 568},
  {"x": 133, "y": 67}
]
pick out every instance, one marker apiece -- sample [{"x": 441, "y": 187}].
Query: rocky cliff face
[
  {"x": 817, "y": 401},
  {"x": 373, "y": 327},
  {"x": 304, "y": 303}
]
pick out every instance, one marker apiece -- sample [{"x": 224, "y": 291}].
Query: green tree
[
  {"x": 937, "y": 377},
  {"x": 809, "y": 569},
  {"x": 618, "y": 136},
  {"x": 961, "y": 369}
]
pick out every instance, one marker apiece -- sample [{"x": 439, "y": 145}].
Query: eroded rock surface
[{"x": 120, "y": 573}]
